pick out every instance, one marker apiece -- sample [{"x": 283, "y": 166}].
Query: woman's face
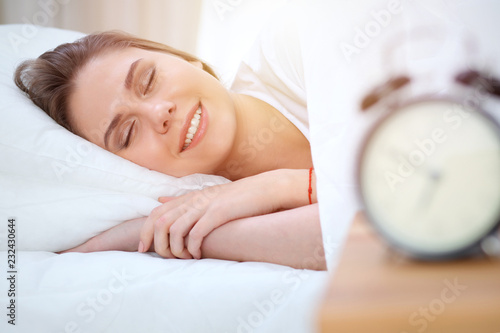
[{"x": 156, "y": 110}]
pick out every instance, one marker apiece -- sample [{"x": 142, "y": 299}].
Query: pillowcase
[{"x": 61, "y": 189}]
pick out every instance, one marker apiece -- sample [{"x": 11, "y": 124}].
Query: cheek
[{"x": 146, "y": 155}]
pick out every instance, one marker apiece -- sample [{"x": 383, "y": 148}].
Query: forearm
[
  {"x": 122, "y": 237},
  {"x": 291, "y": 237}
]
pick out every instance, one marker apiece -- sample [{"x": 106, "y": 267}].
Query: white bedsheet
[{"x": 132, "y": 292}]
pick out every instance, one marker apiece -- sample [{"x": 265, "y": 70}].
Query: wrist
[
  {"x": 294, "y": 189},
  {"x": 310, "y": 189}
]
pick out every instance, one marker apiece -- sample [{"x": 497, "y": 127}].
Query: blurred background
[{"x": 217, "y": 31}]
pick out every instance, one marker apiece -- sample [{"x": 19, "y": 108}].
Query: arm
[
  {"x": 198, "y": 213},
  {"x": 122, "y": 237},
  {"x": 291, "y": 237}
]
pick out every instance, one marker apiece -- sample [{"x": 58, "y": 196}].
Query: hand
[
  {"x": 198, "y": 213},
  {"x": 123, "y": 237}
]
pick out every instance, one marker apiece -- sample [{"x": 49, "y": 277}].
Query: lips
[{"x": 193, "y": 128}]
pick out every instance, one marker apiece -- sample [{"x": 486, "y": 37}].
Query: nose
[{"x": 159, "y": 114}]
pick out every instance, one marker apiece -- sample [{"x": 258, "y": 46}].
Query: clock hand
[{"x": 430, "y": 190}]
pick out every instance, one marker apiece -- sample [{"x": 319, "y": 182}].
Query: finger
[
  {"x": 147, "y": 230},
  {"x": 166, "y": 254},
  {"x": 161, "y": 235},
  {"x": 199, "y": 231},
  {"x": 185, "y": 254},
  {"x": 179, "y": 230},
  {"x": 79, "y": 248},
  {"x": 146, "y": 236},
  {"x": 166, "y": 199},
  {"x": 194, "y": 246},
  {"x": 162, "y": 228}
]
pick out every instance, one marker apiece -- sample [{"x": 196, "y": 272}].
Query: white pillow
[{"x": 61, "y": 189}]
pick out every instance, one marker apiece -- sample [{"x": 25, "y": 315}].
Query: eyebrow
[
  {"x": 130, "y": 74},
  {"x": 110, "y": 129}
]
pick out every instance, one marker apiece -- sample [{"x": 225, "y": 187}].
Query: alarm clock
[{"x": 428, "y": 170}]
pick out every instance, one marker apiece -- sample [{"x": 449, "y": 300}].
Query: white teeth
[{"x": 195, "y": 122}]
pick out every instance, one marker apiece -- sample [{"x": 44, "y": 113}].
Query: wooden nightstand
[{"x": 376, "y": 290}]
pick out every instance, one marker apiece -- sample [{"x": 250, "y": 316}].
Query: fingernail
[{"x": 141, "y": 247}]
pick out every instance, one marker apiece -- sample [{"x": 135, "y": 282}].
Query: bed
[{"x": 61, "y": 191}]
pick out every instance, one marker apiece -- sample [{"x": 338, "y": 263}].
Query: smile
[{"x": 194, "y": 129}]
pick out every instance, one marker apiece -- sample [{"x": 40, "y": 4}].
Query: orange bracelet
[{"x": 310, "y": 190}]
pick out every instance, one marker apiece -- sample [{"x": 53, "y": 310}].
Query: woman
[{"x": 165, "y": 110}]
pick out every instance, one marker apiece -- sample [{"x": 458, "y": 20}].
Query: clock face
[{"x": 430, "y": 177}]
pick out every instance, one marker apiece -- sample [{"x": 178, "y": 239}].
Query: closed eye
[
  {"x": 148, "y": 80},
  {"x": 128, "y": 136}
]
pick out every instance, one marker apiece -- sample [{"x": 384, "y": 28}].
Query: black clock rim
[{"x": 464, "y": 251}]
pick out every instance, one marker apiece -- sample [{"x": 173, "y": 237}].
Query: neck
[{"x": 265, "y": 140}]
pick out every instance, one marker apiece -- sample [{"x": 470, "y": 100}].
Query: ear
[{"x": 197, "y": 63}]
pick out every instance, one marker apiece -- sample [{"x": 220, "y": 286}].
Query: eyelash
[
  {"x": 150, "y": 78},
  {"x": 128, "y": 136},
  {"x": 151, "y": 75}
]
